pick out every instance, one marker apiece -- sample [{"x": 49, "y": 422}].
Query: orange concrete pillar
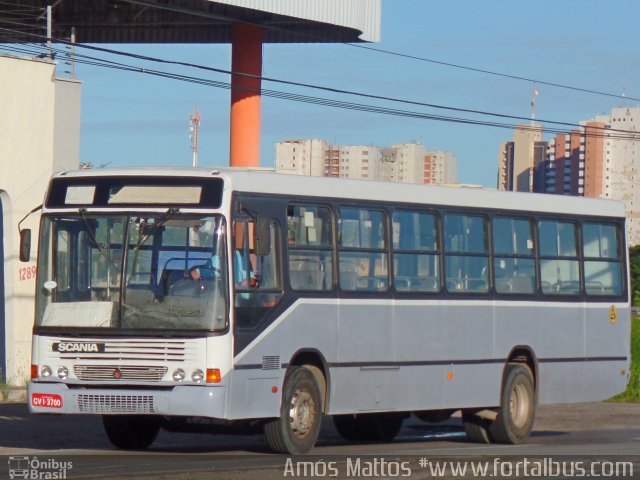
[{"x": 246, "y": 57}]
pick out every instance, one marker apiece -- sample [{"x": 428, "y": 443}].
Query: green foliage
[
  {"x": 632, "y": 393},
  {"x": 634, "y": 260}
]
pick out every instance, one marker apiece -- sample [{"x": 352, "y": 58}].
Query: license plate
[{"x": 46, "y": 400}]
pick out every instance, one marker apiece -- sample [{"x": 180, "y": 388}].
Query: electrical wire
[
  {"x": 98, "y": 62},
  {"x": 319, "y": 87},
  {"x": 316, "y": 36}
]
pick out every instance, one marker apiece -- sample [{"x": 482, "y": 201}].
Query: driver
[{"x": 204, "y": 271}]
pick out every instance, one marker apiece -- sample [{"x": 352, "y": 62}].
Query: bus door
[
  {"x": 3, "y": 362},
  {"x": 255, "y": 267}
]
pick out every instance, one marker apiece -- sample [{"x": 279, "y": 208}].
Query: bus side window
[
  {"x": 514, "y": 256},
  {"x": 362, "y": 244},
  {"x": 602, "y": 259},
  {"x": 466, "y": 253},
  {"x": 416, "y": 259},
  {"x": 559, "y": 265},
  {"x": 310, "y": 246}
]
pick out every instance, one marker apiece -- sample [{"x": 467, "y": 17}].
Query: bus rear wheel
[
  {"x": 377, "y": 427},
  {"x": 517, "y": 407},
  {"x": 297, "y": 429},
  {"x": 476, "y": 428},
  {"x": 347, "y": 427},
  {"x": 131, "y": 432}
]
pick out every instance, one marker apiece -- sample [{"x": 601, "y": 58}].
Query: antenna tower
[
  {"x": 534, "y": 96},
  {"x": 194, "y": 126}
]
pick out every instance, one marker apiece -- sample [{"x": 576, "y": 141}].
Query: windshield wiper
[{"x": 156, "y": 226}]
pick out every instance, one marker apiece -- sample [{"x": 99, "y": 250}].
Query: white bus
[{"x": 190, "y": 299}]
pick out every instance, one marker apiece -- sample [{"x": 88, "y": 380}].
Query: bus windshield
[{"x": 145, "y": 271}]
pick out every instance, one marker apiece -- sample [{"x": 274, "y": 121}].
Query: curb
[{"x": 13, "y": 395}]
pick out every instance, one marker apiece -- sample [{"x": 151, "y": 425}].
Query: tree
[{"x": 634, "y": 260}]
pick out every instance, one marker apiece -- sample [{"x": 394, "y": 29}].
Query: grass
[{"x": 632, "y": 393}]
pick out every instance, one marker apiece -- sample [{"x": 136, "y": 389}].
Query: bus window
[
  {"x": 466, "y": 254},
  {"x": 602, "y": 259},
  {"x": 362, "y": 242},
  {"x": 559, "y": 266},
  {"x": 310, "y": 243},
  {"x": 514, "y": 256},
  {"x": 256, "y": 278},
  {"x": 416, "y": 261}
]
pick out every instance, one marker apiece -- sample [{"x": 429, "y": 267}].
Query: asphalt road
[{"x": 603, "y": 431}]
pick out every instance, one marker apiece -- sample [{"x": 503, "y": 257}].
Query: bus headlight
[
  {"x": 178, "y": 375},
  {"x": 45, "y": 371},
  {"x": 63, "y": 372},
  {"x": 197, "y": 375}
]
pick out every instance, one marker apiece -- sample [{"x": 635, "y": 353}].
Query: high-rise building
[
  {"x": 301, "y": 157},
  {"x": 359, "y": 161},
  {"x": 440, "y": 167},
  {"x": 404, "y": 163},
  {"x": 505, "y": 166},
  {"x": 562, "y": 172},
  {"x": 524, "y": 141},
  {"x": 517, "y": 159},
  {"x": 621, "y": 163},
  {"x": 601, "y": 159}
]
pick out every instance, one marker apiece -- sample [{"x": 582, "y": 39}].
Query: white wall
[{"x": 28, "y": 114}]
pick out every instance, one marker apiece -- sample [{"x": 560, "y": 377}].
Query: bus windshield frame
[{"x": 132, "y": 272}]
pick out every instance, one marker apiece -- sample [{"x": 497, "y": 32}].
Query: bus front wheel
[
  {"x": 131, "y": 432},
  {"x": 297, "y": 428},
  {"x": 517, "y": 407}
]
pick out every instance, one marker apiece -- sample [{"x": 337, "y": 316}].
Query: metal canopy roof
[{"x": 192, "y": 21}]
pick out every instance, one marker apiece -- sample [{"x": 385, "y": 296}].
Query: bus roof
[{"x": 266, "y": 181}]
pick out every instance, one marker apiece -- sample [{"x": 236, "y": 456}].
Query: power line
[
  {"x": 94, "y": 61},
  {"x": 489, "y": 72},
  {"x": 387, "y": 52},
  {"x": 312, "y": 86}
]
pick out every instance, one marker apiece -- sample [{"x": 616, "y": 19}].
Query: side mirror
[
  {"x": 25, "y": 245},
  {"x": 262, "y": 236}
]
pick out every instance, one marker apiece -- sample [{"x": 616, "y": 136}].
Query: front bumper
[{"x": 197, "y": 401}]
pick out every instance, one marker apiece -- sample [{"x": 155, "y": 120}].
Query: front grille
[
  {"x": 116, "y": 403},
  {"x": 132, "y": 350},
  {"x": 115, "y": 372}
]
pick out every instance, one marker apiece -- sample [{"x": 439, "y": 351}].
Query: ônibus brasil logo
[{"x": 34, "y": 468}]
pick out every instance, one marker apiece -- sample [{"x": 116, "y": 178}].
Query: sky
[{"x": 133, "y": 119}]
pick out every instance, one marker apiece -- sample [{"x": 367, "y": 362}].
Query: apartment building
[
  {"x": 403, "y": 163},
  {"x": 517, "y": 159},
  {"x": 621, "y": 163},
  {"x": 440, "y": 167},
  {"x": 600, "y": 159}
]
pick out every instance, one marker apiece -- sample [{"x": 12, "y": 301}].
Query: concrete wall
[{"x": 32, "y": 147}]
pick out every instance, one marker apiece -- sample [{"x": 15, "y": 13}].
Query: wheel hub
[
  {"x": 301, "y": 412},
  {"x": 519, "y": 406}
]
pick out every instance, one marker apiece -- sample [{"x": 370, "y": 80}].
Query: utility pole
[{"x": 194, "y": 125}]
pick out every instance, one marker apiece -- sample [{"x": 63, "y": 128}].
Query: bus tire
[
  {"x": 380, "y": 427},
  {"x": 476, "y": 428},
  {"x": 434, "y": 416},
  {"x": 297, "y": 429},
  {"x": 347, "y": 427},
  {"x": 131, "y": 432},
  {"x": 517, "y": 407}
]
